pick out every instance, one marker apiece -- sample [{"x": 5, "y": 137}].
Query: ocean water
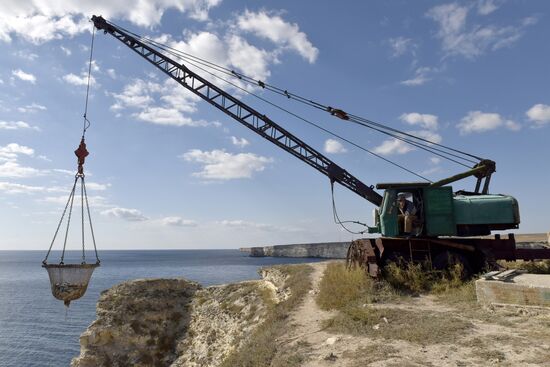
[{"x": 36, "y": 330}]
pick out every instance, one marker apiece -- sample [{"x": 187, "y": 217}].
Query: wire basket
[{"x": 69, "y": 281}]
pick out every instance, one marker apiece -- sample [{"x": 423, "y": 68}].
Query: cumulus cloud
[
  {"x": 27, "y": 77},
  {"x": 221, "y": 165},
  {"x": 131, "y": 215},
  {"x": 15, "y": 125},
  {"x": 477, "y": 122},
  {"x": 177, "y": 222},
  {"x": 240, "y": 142},
  {"x": 421, "y": 76},
  {"x": 334, "y": 147},
  {"x": 42, "y": 21},
  {"x": 161, "y": 104},
  {"x": 33, "y": 107},
  {"x": 79, "y": 79},
  {"x": 396, "y": 146},
  {"x": 486, "y": 7},
  {"x": 425, "y": 121},
  {"x": 12, "y": 150},
  {"x": 167, "y": 116},
  {"x": 282, "y": 33},
  {"x": 539, "y": 114},
  {"x": 457, "y": 39},
  {"x": 13, "y": 169}
]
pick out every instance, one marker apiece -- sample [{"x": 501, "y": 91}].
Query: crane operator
[{"x": 407, "y": 214}]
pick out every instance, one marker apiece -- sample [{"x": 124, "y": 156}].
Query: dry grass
[
  {"x": 261, "y": 350},
  {"x": 392, "y": 323},
  {"x": 533, "y": 267}
]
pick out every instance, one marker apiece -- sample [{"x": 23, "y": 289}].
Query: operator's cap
[{"x": 402, "y": 197}]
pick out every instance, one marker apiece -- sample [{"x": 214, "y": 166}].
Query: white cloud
[
  {"x": 97, "y": 186},
  {"x": 131, "y": 215},
  {"x": 42, "y": 21},
  {"x": 334, "y": 147},
  {"x": 15, "y": 125},
  {"x": 66, "y": 51},
  {"x": 167, "y": 116},
  {"x": 274, "y": 28},
  {"x": 539, "y": 114},
  {"x": 425, "y": 121},
  {"x": 477, "y": 122},
  {"x": 111, "y": 73},
  {"x": 240, "y": 142},
  {"x": 435, "y": 160},
  {"x": 161, "y": 104},
  {"x": 458, "y": 39},
  {"x": 177, "y": 222},
  {"x": 94, "y": 201},
  {"x": 396, "y": 146},
  {"x": 220, "y": 165},
  {"x": 12, "y": 150},
  {"x": 485, "y": 7},
  {"x": 16, "y": 188},
  {"x": 27, "y": 77},
  {"x": 400, "y": 45},
  {"x": 13, "y": 169},
  {"x": 421, "y": 76},
  {"x": 27, "y": 55},
  {"x": 79, "y": 80},
  {"x": 33, "y": 107},
  {"x": 248, "y": 58}
]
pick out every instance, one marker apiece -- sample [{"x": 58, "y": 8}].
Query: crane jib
[{"x": 246, "y": 115}]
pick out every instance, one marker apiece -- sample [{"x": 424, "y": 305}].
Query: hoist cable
[
  {"x": 308, "y": 121},
  {"x": 90, "y": 220},
  {"x": 353, "y": 118},
  {"x": 86, "y": 121},
  {"x": 59, "y": 224},
  {"x": 337, "y": 218},
  {"x": 82, "y": 216},
  {"x": 312, "y": 123},
  {"x": 427, "y": 147},
  {"x": 71, "y": 199}
]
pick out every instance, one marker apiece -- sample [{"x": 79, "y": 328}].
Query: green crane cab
[{"x": 440, "y": 212}]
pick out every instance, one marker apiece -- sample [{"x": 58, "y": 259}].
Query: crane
[{"x": 445, "y": 220}]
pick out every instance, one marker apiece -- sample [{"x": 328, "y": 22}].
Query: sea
[{"x": 36, "y": 330}]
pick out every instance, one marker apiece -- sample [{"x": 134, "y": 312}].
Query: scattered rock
[{"x": 332, "y": 340}]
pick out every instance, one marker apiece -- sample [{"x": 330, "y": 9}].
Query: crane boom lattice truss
[{"x": 246, "y": 115}]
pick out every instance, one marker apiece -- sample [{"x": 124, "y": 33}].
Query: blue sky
[{"x": 168, "y": 171}]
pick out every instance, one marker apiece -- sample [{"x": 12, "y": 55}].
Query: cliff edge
[{"x": 176, "y": 322}]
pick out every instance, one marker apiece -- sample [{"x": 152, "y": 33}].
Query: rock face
[
  {"x": 328, "y": 250},
  {"x": 138, "y": 324},
  {"x": 175, "y": 322}
]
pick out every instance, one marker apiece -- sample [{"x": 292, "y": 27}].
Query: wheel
[{"x": 447, "y": 259}]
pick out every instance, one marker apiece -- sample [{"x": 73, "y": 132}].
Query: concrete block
[{"x": 524, "y": 289}]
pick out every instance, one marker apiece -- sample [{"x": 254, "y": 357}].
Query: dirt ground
[{"x": 496, "y": 337}]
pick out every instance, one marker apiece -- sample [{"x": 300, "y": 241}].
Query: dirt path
[{"x": 486, "y": 344}]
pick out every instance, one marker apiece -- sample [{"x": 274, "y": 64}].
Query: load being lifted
[
  {"x": 444, "y": 220},
  {"x": 69, "y": 281}
]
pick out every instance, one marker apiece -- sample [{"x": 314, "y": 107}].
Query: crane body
[{"x": 445, "y": 218}]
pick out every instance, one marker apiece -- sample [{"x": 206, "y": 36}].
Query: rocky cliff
[
  {"x": 327, "y": 250},
  {"x": 176, "y": 322}
]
